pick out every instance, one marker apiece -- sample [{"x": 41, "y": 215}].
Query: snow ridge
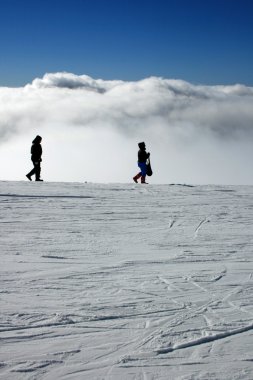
[{"x": 205, "y": 339}]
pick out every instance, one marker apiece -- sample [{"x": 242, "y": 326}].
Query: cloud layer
[{"x": 193, "y": 131}]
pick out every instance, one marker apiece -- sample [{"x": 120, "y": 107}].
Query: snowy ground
[{"x": 126, "y": 281}]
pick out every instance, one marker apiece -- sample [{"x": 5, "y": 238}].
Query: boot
[
  {"x": 137, "y": 177},
  {"x": 143, "y": 179},
  {"x": 30, "y": 174}
]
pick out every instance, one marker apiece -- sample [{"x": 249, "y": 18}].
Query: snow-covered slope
[{"x": 125, "y": 281}]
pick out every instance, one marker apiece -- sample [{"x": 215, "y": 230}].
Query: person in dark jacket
[
  {"x": 36, "y": 152},
  {"x": 142, "y": 163}
]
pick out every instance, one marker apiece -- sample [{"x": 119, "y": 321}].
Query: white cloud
[{"x": 91, "y": 128}]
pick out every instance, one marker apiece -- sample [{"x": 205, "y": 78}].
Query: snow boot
[
  {"x": 143, "y": 179},
  {"x": 137, "y": 177}
]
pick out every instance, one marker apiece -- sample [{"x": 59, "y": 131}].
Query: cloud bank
[{"x": 91, "y": 127}]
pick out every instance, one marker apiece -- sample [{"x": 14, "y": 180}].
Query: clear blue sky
[{"x": 201, "y": 41}]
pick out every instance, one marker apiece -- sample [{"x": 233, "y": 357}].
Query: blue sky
[{"x": 207, "y": 42}]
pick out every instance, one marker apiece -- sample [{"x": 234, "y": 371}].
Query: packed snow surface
[{"x": 126, "y": 281}]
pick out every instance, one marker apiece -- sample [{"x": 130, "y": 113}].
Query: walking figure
[
  {"x": 36, "y": 152},
  {"x": 142, "y": 163}
]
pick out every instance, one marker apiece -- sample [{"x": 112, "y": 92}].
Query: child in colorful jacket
[{"x": 142, "y": 163}]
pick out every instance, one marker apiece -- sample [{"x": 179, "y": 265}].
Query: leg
[
  {"x": 32, "y": 172},
  {"x": 143, "y": 167},
  {"x": 37, "y": 171},
  {"x": 137, "y": 177}
]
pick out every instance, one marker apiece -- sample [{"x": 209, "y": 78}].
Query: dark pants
[
  {"x": 143, "y": 167},
  {"x": 36, "y": 170}
]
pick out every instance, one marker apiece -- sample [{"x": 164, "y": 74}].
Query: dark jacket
[
  {"x": 36, "y": 149},
  {"x": 143, "y": 155}
]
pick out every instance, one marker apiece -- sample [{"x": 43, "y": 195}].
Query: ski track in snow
[{"x": 122, "y": 281}]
